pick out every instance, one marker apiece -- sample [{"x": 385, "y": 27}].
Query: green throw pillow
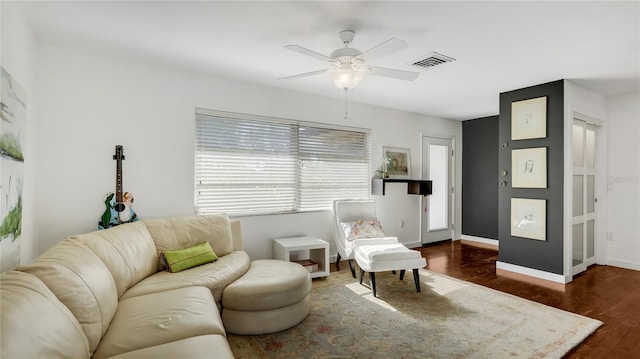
[{"x": 187, "y": 258}]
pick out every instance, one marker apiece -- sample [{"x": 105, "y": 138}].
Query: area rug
[{"x": 449, "y": 318}]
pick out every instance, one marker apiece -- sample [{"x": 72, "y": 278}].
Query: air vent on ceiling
[{"x": 433, "y": 59}]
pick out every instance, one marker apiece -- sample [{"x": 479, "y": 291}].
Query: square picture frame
[
  {"x": 397, "y": 162},
  {"x": 529, "y": 218},
  {"x": 529, "y": 119},
  {"x": 529, "y": 167}
]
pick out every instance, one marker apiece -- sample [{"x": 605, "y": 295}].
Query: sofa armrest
[{"x": 236, "y": 233}]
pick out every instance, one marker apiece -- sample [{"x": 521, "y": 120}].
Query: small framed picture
[
  {"x": 529, "y": 218},
  {"x": 397, "y": 162},
  {"x": 529, "y": 168},
  {"x": 529, "y": 119}
]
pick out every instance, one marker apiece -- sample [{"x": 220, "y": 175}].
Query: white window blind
[
  {"x": 254, "y": 165},
  {"x": 334, "y": 164}
]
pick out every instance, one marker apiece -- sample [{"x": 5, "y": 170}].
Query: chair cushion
[
  {"x": 373, "y": 241},
  {"x": 384, "y": 257},
  {"x": 386, "y": 252}
]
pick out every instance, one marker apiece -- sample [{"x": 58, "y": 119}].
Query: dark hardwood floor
[{"x": 609, "y": 294}]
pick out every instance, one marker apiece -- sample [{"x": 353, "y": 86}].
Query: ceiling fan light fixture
[{"x": 346, "y": 77}]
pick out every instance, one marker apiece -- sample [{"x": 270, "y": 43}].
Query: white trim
[
  {"x": 588, "y": 119},
  {"x": 567, "y": 184},
  {"x": 493, "y": 242},
  {"x": 414, "y": 244},
  {"x": 623, "y": 264},
  {"x": 558, "y": 278},
  {"x": 456, "y": 188},
  {"x": 572, "y": 112},
  {"x": 452, "y": 195}
]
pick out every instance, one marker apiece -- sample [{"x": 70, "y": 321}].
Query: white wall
[
  {"x": 87, "y": 104},
  {"x": 17, "y": 54},
  {"x": 618, "y": 184},
  {"x": 623, "y": 184}
]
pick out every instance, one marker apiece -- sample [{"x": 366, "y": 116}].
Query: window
[{"x": 256, "y": 165}]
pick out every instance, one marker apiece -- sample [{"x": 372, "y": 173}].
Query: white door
[
  {"x": 584, "y": 196},
  {"x": 436, "y": 224}
]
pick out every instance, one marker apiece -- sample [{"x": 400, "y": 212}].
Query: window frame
[{"x": 203, "y": 114}]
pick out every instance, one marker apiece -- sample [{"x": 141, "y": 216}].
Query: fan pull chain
[{"x": 346, "y": 104}]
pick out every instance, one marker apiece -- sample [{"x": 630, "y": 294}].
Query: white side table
[{"x": 297, "y": 248}]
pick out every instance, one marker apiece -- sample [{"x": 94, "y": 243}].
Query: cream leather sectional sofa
[{"x": 104, "y": 295}]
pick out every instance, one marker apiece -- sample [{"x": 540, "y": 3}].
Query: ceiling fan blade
[
  {"x": 305, "y": 51},
  {"x": 306, "y": 74},
  {"x": 385, "y": 48},
  {"x": 393, "y": 73}
]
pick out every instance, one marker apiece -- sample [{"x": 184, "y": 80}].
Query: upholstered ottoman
[
  {"x": 388, "y": 257},
  {"x": 273, "y": 295}
]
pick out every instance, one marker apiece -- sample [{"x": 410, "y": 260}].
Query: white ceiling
[{"x": 498, "y": 46}]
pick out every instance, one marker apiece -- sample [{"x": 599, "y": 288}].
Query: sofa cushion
[
  {"x": 214, "y": 276},
  {"x": 160, "y": 318},
  {"x": 189, "y": 257},
  {"x": 203, "y": 346},
  {"x": 34, "y": 323},
  {"x": 127, "y": 250},
  {"x": 175, "y": 233},
  {"x": 80, "y": 281}
]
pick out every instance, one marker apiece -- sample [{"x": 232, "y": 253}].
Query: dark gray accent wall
[
  {"x": 480, "y": 177},
  {"x": 542, "y": 255}
]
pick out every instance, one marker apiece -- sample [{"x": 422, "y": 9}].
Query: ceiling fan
[{"x": 347, "y": 65}]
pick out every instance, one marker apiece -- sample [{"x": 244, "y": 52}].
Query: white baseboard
[
  {"x": 623, "y": 264},
  {"x": 552, "y": 277},
  {"x": 489, "y": 241}
]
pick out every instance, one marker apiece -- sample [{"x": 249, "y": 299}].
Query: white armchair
[
  {"x": 360, "y": 237},
  {"x": 345, "y": 211}
]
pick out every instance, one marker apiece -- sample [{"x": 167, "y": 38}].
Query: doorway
[
  {"x": 583, "y": 229},
  {"x": 437, "y": 209}
]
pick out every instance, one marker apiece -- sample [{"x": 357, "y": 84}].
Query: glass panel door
[
  {"x": 439, "y": 175},
  {"x": 584, "y": 196},
  {"x": 436, "y": 208}
]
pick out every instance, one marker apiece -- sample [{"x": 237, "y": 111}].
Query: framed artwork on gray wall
[
  {"x": 529, "y": 218},
  {"x": 529, "y": 167},
  {"x": 397, "y": 162},
  {"x": 529, "y": 118}
]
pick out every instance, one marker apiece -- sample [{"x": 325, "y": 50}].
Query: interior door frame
[
  {"x": 600, "y": 193},
  {"x": 584, "y": 218},
  {"x": 452, "y": 180}
]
